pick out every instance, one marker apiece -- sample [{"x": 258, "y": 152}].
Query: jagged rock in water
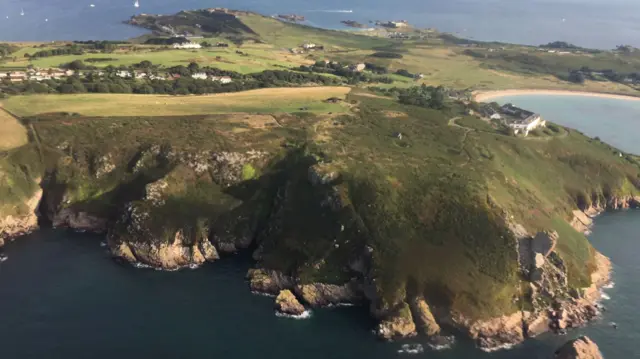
[
  {"x": 581, "y": 348},
  {"x": 287, "y": 303},
  {"x": 397, "y": 325},
  {"x": 16, "y": 225},
  {"x": 423, "y": 318},
  {"x": 320, "y": 295},
  {"x": 268, "y": 281},
  {"x": 81, "y": 221}
]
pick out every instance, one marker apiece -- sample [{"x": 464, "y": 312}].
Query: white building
[
  {"x": 222, "y": 79},
  {"x": 200, "y": 76},
  {"x": 309, "y": 45},
  {"x": 187, "y": 45},
  {"x": 123, "y": 74},
  {"x": 522, "y": 121}
]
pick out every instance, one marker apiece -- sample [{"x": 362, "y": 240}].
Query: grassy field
[
  {"x": 288, "y": 35},
  {"x": 274, "y": 100},
  {"x": 12, "y": 133},
  {"x": 258, "y": 57}
]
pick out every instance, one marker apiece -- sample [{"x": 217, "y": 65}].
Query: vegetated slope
[
  {"x": 271, "y": 100},
  {"x": 285, "y": 34},
  {"x": 431, "y": 209},
  {"x": 12, "y": 133},
  {"x": 199, "y": 22}
]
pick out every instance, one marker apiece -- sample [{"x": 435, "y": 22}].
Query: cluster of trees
[
  {"x": 7, "y": 49},
  {"x": 387, "y": 55},
  {"x": 71, "y": 50},
  {"x": 423, "y": 96},
  {"x": 104, "y": 45},
  {"x": 585, "y": 73},
  {"x": 351, "y": 77},
  {"x": 166, "y": 40},
  {"x": 110, "y": 83}
]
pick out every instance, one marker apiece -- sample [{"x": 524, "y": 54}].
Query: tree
[
  {"x": 77, "y": 65},
  {"x": 576, "y": 77},
  {"x": 102, "y": 88},
  {"x": 193, "y": 68}
]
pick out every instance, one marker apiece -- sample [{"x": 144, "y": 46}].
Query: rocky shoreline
[{"x": 131, "y": 238}]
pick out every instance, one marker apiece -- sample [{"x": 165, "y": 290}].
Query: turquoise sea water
[
  {"x": 61, "y": 296},
  {"x": 592, "y": 23}
]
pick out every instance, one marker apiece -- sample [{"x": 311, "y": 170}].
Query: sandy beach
[{"x": 484, "y": 96}]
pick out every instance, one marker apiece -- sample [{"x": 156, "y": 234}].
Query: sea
[
  {"x": 63, "y": 297},
  {"x": 591, "y": 23}
]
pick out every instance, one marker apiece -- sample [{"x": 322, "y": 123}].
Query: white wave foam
[
  {"x": 305, "y": 315},
  {"x": 141, "y": 265},
  {"x": 339, "y": 305},
  {"x": 447, "y": 343},
  {"x": 499, "y": 347},
  {"x": 411, "y": 349},
  {"x": 604, "y": 296},
  {"x": 263, "y": 294},
  {"x": 103, "y": 244},
  {"x": 609, "y": 285}
]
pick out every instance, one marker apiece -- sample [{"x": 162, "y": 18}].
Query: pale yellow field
[
  {"x": 12, "y": 133},
  {"x": 274, "y": 100}
]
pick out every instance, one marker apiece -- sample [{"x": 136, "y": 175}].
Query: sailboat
[
  {"x": 136, "y": 4},
  {"x": 21, "y": 12}
]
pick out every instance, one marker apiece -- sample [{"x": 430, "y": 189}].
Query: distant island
[{"x": 350, "y": 168}]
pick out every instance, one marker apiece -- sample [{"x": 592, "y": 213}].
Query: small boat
[
  {"x": 3, "y": 257},
  {"x": 136, "y": 4},
  {"x": 92, "y": 5},
  {"x": 21, "y": 12}
]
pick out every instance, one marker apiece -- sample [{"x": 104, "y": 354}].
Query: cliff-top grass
[
  {"x": 273, "y": 100},
  {"x": 12, "y": 133}
]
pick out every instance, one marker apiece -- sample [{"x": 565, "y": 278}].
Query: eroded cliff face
[
  {"x": 172, "y": 210},
  {"x": 581, "y": 348},
  {"x": 14, "y": 225}
]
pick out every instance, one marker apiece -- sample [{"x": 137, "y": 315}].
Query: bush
[{"x": 387, "y": 55}]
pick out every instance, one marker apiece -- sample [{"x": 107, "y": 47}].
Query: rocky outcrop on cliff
[
  {"x": 322, "y": 295},
  {"x": 15, "y": 225},
  {"x": 287, "y": 303},
  {"x": 268, "y": 281},
  {"x": 79, "y": 220},
  {"x": 398, "y": 324},
  {"x": 423, "y": 318},
  {"x": 581, "y": 348},
  {"x": 170, "y": 256}
]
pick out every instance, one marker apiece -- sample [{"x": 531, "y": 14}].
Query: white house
[
  {"x": 199, "y": 76},
  {"x": 222, "y": 79},
  {"x": 309, "y": 45},
  {"x": 187, "y": 45},
  {"x": 123, "y": 74}
]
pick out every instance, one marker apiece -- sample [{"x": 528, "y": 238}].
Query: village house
[
  {"x": 357, "y": 67},
  {"x": 222, "y": 79},
  {"x": 199, "y": 76},
  {"x": 521, "y": 121},
  {"x": 309, "y": 45},
  {"x": 16, "y": 76},
  {"x": 124, "y": 74},
  {"x": 187, "y": 45},
  {"x": 141, "y": 75}
]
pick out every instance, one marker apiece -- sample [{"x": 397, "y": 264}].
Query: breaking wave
[
  {"x": 499, "y": 347},
  {"x": 263, "y": 294},
  {"x": 411, "y": 349},
  {"x": 609, "y": 285},
  {"x": 444, "y": 344},
  {"x": 305, "y": 315},
  {"x": 604, "y": 296}
]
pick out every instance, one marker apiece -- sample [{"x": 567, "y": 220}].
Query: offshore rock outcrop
[
  {"x": 15, "y": 225},
  {"x": 287, "y": 303},
  {"x": 581, "y": 348}
]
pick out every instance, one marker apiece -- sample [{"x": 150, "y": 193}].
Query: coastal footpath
[{"x": 338, "y": 209}]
